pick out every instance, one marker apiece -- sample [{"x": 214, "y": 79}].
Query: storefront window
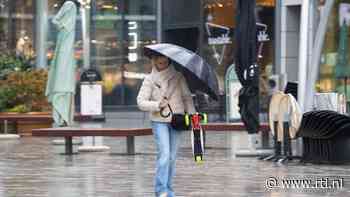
[
  {"x": 120, "y": 29},
  {"x": 218, "y": 46},
  {"x": 17, "y": 30},
  {"x": 334, "y": 67},
  {"x": 219, "y": 43}
]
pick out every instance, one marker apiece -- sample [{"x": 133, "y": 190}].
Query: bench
[
  {"x": 69, "y": 132},
  {"x": 42, "y": 118}
]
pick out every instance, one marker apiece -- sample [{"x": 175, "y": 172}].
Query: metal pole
[
  {"x": 85, "y": 25},
  {"x": 69, "y": 145},
  {"x": 125, "y": 50},
  {"x": 277, "y": 41},
  {"x": 317, "y": 49},
  {"x": 5, "y": 126},
  {"x": 93, "y": 34},
  {"x": 41, "y": 32},
  {"x": 159, "y": 21},
  {"x": 303, "y": 51},
  {"x": 11, "y": 26},
  {"x": 130, "y": 145},
  {"x": 85, "y": 22}
]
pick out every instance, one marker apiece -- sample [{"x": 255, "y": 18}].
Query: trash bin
[
  {"x": 91, "y": 106},
  {"x": 91, "y": 94}
]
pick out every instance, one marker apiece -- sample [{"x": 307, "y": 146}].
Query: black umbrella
[
  {"x": 200, "y": 76},
  {"x": 246, "y": 64}
]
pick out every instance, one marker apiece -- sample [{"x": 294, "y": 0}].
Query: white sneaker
[{"x": 163, "y": 194}]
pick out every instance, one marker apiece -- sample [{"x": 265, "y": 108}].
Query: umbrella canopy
[
  {"x": 200, "y": 76},
  {"x": 246, "y": 38},
  {"x": 246, "y": 65},
  {"x": 60, "y": 87}
]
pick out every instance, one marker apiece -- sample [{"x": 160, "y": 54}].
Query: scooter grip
[
  {"x": 187, "y": 120},
  {"x": 205, "y": 118}
]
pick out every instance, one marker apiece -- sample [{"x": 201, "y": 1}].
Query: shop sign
[
  {"x": 223, "y": 39},
  {"x": 133, "y": 41},
  {"x": 218, "y": 35}
]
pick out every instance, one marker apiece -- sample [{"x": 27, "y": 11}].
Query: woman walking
[{"x": 165, "y": 87}]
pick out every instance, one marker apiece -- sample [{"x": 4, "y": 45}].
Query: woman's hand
[{"x": 163, "y": 103}]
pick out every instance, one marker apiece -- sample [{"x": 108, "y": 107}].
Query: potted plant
[{"x": 22, "y": 90}]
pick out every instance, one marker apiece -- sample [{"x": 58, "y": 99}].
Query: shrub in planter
[
  {"x": 24, "y": 91},
  {"x": 10, "y": 63}
]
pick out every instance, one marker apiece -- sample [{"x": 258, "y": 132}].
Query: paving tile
[{"x": 33, "y": 167}]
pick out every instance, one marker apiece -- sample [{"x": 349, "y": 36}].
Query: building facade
[
  {"x": 299, "y": 34},
  {"x": 114, "y": 32},
  {"x": 335, "y": 40},
  {"x": 110, "y": 36}
]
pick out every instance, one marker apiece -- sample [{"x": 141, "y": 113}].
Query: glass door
[{"x": 119, "y": 30}]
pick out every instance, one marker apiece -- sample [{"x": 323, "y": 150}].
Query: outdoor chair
[{"x": 326, "y": 137}]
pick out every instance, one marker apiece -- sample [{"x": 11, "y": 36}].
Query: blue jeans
[{"x": 166, "y": 139}]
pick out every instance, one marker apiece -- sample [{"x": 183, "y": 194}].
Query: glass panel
[
  {"x": 265, "y": 27},
  {"x": 218, "y": 47},
  {"x": 120, "y": 30},
  {"x": 219, "y": 44},
  {"x": 4, "y": 20},
  {"x": 328, "y": 65},
  {"x": 334, "y": 64},
  {"x": 17, "y": 28}
]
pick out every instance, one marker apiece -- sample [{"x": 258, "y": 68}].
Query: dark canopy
[{"x": 246, "y": 64}]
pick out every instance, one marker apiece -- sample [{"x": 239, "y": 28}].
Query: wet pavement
[{"x": 34, "y": 167}]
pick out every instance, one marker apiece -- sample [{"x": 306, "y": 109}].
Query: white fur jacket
[{"x": 157, "y": 85}]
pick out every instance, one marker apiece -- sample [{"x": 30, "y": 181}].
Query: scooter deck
[{"x": 197, "y": 144}]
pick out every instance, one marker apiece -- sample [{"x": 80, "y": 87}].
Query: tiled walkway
[{"x": 33, "y": 167}]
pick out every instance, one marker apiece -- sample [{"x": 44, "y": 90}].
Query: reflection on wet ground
[{"x": 33, "y": 167}]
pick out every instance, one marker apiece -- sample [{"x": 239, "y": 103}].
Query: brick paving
[{"x": 33, "y": 167}]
